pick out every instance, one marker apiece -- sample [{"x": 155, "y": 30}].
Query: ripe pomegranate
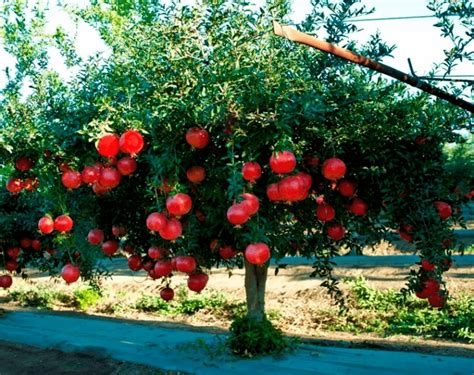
[
  {"x": 156, "y": 252},
  {"x": 23, "y": 164},
  {"x": 148, "y": 265},
  {"x": 273, "y": 193},
  {"x": 119, "y": 230},
  {"x": 46, "y": 225},
  {"x": 196, "y": 174},
  {"x": 131, "y": 142},
  {"x": 36, "y": 245},
  {"x": 156, "y": 221},
  {"x": 163, "y": 268},
  {"x": 437, "y": 300},
  {"x": 426, "y": 265},
  {"x": 250, "y": 203},
  {"x": 135, "y": 262},
  {"x": 237, "y": 214},
  {"x": 336, "y": 232},
  {"x": 63, "y": 223},
  {"x": 291, "y": 189},
  {"x": 13, "y": 252},
  {"x": 306, "y": 180},
  {"x": 109, "y": 145},
  {"x": 90, "y": 175},
  {"x": 179, "y": 205},
  {"x": 197, "y": 137},
  {"x": 126, "y": 166},
  {"x": 428, "y": 288},
  {"x": 227, "y": 252},
  {"x": 186, "y": 264},
  {"x": 152, "y": 274},
  {"x": 257, "y": 253},
  {"x": 197, "y": 282},
  {"x": 95, "y": 236},
  {"x": 251, "y": 171},
  {"x": 99, "y": 189},
  {"x": 110, "y": 247},
  {"x": 70, "y": 273},
  {"x": 25, "y": 243},
  {"x": 71, "y": 179},
  {"x": 334, "y": 169},
  {"x": 109, "y": 178},
  {"x": 172, "y": 230},
  {"x": 346, "y": 188},
  {"x": 6, "y": 281},
  {"x": 11, "y": 265},
  {"x": 444, "y": 209},
  {"x": 167, "y": 294},
  {"x": 325, "y": 212},
  {"x": 358, "y": 207},
  {"x": 283, "y": 162},
  {"x": 14, "y": 185}
]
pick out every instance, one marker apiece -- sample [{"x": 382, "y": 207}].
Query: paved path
[{"x": 202, "y": 353}]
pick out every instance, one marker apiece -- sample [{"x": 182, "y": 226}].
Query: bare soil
[{"x": 292, "y": 296}]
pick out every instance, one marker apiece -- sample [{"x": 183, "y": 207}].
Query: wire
[{"x": 394, "y": 18}]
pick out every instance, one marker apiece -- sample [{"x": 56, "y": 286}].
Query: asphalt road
[{"x": 196, "y": 352}]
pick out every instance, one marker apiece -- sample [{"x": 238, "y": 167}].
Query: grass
[
  {"x": 389, "y": 313},
  {"x": 40, "y": 297}
]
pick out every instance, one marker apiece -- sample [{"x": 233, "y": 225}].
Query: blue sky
[{"x": 415, "y": 39}]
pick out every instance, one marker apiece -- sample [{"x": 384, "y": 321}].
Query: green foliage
[
  {"x": 249, "y": 338},
  {"x": 86, "y": 298},
  {"x": 185, "y": 304},
  {"x": 41, "y": 297},
  {"x": 388, "y": 313}
]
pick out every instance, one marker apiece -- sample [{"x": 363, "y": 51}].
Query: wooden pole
[{"x": 299, "y": 37}]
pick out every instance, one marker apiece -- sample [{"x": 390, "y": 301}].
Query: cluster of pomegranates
[
  {"x": 104, "y": 177},
  {"x": 15, "y": 184},
  {"x": 430, "y": 288}
]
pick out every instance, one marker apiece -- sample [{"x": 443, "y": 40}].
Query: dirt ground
[
  {"x": 27, "y": 360},
  {"x": 292, "y": 294}
]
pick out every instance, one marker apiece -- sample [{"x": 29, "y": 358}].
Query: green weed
[{"x": 86, "y": 298}]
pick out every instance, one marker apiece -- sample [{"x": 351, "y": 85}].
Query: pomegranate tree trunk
[{"x": 255, "y": 281}]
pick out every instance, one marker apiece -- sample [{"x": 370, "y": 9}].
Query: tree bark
[{"x": 255, "y": 282}]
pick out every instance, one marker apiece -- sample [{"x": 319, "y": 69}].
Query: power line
[{"x": 394, "y": 18}]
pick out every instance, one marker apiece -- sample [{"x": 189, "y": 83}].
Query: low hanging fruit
[
  {"x": 283, "y": 162},
  {"x": 156, "y": 221},
  {"x": 333, "y": 169},
  {"x": 63, "y": 223},
  {"x": 197, "y": 137},
  {"x": 6, "y": 281},
  {"x": 167, "y": 294},
  {"x": 156, "y": 252},
  {"x": 110, "y": 247},
  {"x": 126, "y": 166},
  {"x": 186, "y": 264},
  {"x": 358, "y": 207},
  {"x": 251, "y": 171},
  {"x": 70, "y": 273},
  {"x": 227, "y": 252},
  {"x": 444, "y": 209},
  {"x": 71, "y": 179},
  {"x": 197, "y": 282},
  {"x": 273, "y": 192},
  {"x": 163, "y": 268},
  {"x": 336, "y": 232},
  {"x": 291, "y": 189},
  {"x": 325, "y": 212},
  {"x": 109, "y": 145},
  {"x": 179, "y": 205},
  {"x": 14, "y": 185},
  {"x": 109, "y": 178},
  {"x": 46, "y": 225},
  {"x": 257, "y": 253},
  {"x": 346, "y": 188},
  {"x": 131, "y": 142},
  {"x": 95, "y": 236},
  {"x": 135, "y": 262},
  {"x": 426, "y": 265},
  {"x": 196, "y": 174},
  {"x": 250, "y": 203},
  {"x": 90, "y": 174},
  {"x": 23, "y": 164},
  {"x": 237, "y": 214},
  {"x": 172, "y": 230}
]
